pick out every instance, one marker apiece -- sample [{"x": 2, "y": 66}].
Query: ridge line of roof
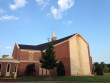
[
  {"x": 44, "y": 45},
  {"x": 47, "y": 42}
]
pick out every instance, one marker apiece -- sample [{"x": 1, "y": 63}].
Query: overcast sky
[{"x": 31, "y": 21}]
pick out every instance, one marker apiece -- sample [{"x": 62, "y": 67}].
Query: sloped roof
[{"x": 43, "y": 46}]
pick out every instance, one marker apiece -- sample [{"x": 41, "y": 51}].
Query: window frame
[
  {"x": 1, "y": 67},
  {"x": 7, "y": 67}
]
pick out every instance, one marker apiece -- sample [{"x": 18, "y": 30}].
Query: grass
[
  {"x": 107, "y": 73},
  {"x": 72, "y": 78}
]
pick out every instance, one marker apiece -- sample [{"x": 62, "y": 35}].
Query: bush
[
  {"x": 99, "y": 70},
  {"x": 30, "y": 69},
  {"x": 60, "y": 69}
]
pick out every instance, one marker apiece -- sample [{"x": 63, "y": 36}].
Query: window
[
  {"x": 16, "y": 65},
  {"x": 40, "y": 70},
  {"x": 0, "y": 67},
  {"x": 8, "y": 67},
  {"x": 43, "y": 71}
]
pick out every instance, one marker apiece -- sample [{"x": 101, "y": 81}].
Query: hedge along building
[{"x": 73, "y": 51}]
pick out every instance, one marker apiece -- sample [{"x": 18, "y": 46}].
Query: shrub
[
  {"x": 99, "y": 70},
  {"x": 60, "y": 69},
  {"x": 30, "y": 69}
]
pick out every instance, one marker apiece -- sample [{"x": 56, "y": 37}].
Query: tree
[
  {"x": 95, "y": 65},
  {"x": 102, "y": 64},
  {"x": 109, "y": 70},
  {"x": 106, "y": 69},
  {"x": 60, "y": 69},
  {"x": 108, "y": 65},
  {"x": 48, "y": 59},
  {"x": 30, "y": 69},
  {"x": 99, "y": 70}
]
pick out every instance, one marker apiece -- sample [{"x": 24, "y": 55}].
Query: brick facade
[
  {"x": 63, "y": 55},
  {"x": 4, "y": 67},
  {"x": 29, "y": 56},
  {"x": 22, "y": 68}
]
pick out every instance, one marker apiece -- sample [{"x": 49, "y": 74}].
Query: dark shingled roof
[{"x": 42, "y": 46}]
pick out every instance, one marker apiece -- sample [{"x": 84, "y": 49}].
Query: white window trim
[{"x": 9, "y": 69}]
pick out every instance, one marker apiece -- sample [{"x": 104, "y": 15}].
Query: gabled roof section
[{"x": 43, "y": 46}]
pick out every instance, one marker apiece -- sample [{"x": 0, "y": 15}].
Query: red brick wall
[
  {"x": 37, "y": 56},
  {"x": 15, "y": 52},
  {"x": 24, "y": 55},
  {"x": 22, "y": 68},
  {"x": 62, "y": 54},
  {"x": 4, "y": 65}
]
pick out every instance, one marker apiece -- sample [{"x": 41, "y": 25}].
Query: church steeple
[{"x": 53, "y": 36}]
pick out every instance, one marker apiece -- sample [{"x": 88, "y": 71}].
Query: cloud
[
  {"x": 63, "y": 5},
  {"x": 43, "y": 3},
  {"x": 56, "y": 13},
  {"x": 2, "y": 11},
  {"x": 18, "y": 4},
  {"x": 69, "y": 22},
  {"x": 8, "y": 47},
  {"x": 48, "y": 14},
  {"x": 6, "y": 17}
]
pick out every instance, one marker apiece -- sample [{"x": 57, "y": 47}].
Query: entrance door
[{"x": 8, "y": 69}]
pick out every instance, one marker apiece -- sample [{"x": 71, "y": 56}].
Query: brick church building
[{"x": 72, "y": 50}]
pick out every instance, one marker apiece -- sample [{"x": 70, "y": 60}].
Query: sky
[{"x": 31, "y": 21}]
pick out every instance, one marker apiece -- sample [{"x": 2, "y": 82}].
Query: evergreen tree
[
  {"x": 60, "y": 69},
  {"x": 30, "y": 69},
  {"x": 48, "y": 59}
]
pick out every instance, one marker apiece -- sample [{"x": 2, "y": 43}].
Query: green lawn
[
  {"x": 72, "y": 78},
  {"x": 107, "y": 74}
]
